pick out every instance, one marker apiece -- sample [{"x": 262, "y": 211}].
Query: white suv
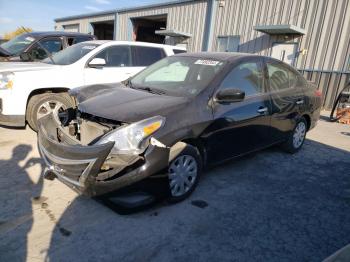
[{"x": 29, "y": 91}]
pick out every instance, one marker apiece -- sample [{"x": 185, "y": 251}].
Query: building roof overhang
[
  {"x": 173, "y": 33},
  {"x": 280, "y": 29}
]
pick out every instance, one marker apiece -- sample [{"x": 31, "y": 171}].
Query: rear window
[
  {"x": 145, "y": 56},
  {"x": 179, "y": 51}
]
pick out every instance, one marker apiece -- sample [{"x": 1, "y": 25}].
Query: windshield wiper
[
  {"x": 127, "y": 83},
  {"x": 150, "y": 90}
]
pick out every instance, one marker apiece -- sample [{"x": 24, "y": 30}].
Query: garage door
[{"x": 71, "y": 28}]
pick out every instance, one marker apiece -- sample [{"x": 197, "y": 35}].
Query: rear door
[
  {"x": 118, "y": 66},
  {"x": 244, "y": 126},
  {"x": 287, "y": 98}
]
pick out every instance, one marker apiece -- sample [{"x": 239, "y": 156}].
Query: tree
[{"x": 18, "y": 31}]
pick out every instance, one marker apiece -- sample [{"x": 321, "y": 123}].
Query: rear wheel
[
  {"x": 44, "y": 104},
  {"x": 296, "y": 138},
  {"x": 183, "y": 172}
]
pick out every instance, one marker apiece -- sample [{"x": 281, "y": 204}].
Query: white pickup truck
[{"x": 29, "y": 91}]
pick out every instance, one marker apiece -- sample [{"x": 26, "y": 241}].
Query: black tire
[
  {"x": 289, "y": 146},
  {"x": 184, "y": 151},
  {"x": 37, "y": 101}
]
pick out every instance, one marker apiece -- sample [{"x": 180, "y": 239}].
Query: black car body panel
[
  {"x": 219, "y": 130},
  {"x": 126, "y": 104}
]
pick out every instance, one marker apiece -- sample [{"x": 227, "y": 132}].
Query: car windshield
[
  {"x": 71, "y": 54},
  {"x": 16, "y": 45},
  {"x": 177, "y": 75}
]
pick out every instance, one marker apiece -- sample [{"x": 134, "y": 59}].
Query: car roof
[
  {"x": 39, "y": 34},
  {"x": 134, "y": 43},
  {"x": 221, "y": 56}
]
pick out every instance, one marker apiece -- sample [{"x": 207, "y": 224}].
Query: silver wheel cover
[
  {"x": 50, "y": 106},
  {"x": 182, "y": 174},
  {"x": 299, "y": 134}
]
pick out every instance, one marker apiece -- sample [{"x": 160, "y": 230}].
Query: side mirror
[
  {"x": 25, "y": 56},
  {"x": 97, "y": 62},
  {"x": 230, "y": 96}
]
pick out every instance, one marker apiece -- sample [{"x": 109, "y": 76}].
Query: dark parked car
[
  {"x": 175, "y": 117},
  {"x": 36, "y": 46}
]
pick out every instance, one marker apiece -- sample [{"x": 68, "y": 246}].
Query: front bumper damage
[{"x": 91, "y": 169}]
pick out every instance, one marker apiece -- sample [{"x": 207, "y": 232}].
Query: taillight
[{"x": 318, "y": 93}]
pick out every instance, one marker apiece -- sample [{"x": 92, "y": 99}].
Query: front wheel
[
  {"x": 183, "y": 172},
  {"x": 296, "y": 138},
  {"x": 44, "y": 104}
]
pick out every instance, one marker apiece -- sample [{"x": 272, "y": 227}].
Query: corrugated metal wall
[
  {"x": 84, "y": 23},
  {"x": 327, "y": 24},
  {"x": 185, "y": 17}
]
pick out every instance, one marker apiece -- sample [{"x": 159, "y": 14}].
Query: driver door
[
  {"x": 118, "y": 66},
  {"x": 241, "y": 127}
]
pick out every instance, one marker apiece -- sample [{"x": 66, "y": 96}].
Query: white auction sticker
[
  {"x": 90, "y": 47},
  {"x": 30, "y": 39},
  {"x": 207, "y": 62}
]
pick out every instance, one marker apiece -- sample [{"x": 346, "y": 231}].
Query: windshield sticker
[
  {"x": 30, "y": 39},
  {"x": 207, "y": 62},
  {"x": 89, "y": 47}
]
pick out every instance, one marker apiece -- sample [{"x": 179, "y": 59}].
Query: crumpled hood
[
  {"x": 24, "y": 66},
  {"x": 120, "y": 103}
]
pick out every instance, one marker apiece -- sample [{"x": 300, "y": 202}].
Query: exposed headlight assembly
[
  {"x": 6, "y": 80},
  {"x": 133, "y": 139}
]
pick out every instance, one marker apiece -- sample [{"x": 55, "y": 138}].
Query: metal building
[{"x": 312, "y": 35}]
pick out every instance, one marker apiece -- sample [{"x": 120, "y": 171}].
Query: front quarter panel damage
[{"x": 82, "y": 167}]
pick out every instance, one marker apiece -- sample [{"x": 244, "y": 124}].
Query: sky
[{"x": 39, "y": 14}]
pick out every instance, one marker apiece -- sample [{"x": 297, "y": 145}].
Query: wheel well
[
  {"x": 308, "y": 121},
  {"x": 46, "y": 90},
  {"x": 197, "y": 143}
]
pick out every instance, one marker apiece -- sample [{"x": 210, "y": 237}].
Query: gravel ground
[{"x": 268, "y": 206}]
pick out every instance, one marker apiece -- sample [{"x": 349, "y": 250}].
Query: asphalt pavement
[{"x": 267, "y": 206}]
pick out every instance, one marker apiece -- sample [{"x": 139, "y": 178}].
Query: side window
[
  {"x": 53, "y": 45},
  {"x": 281, "y": 77},
  {"x": 37, "y": 52},
  {"x": 116, "y": 56},
  {"x": 145, "y": 56},
  {"x": 179, "y": 51},
  {"x": 70, "y": 40},
  {"x": 301, "y": 81},
  {"x": 247, "y": 77},
  {"x": 79, "y": 39}
]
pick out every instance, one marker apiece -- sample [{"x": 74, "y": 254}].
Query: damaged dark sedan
[{"x": 174, "y": 118}]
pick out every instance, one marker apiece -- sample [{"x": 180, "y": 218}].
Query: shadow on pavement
[
  {"x": 268, "y": 206},
  {"x": 17, "y": 191}
]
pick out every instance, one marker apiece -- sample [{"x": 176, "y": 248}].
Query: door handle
[
  {"x": 300, "y": 102},
  {"x": 262, "y": 110}
]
